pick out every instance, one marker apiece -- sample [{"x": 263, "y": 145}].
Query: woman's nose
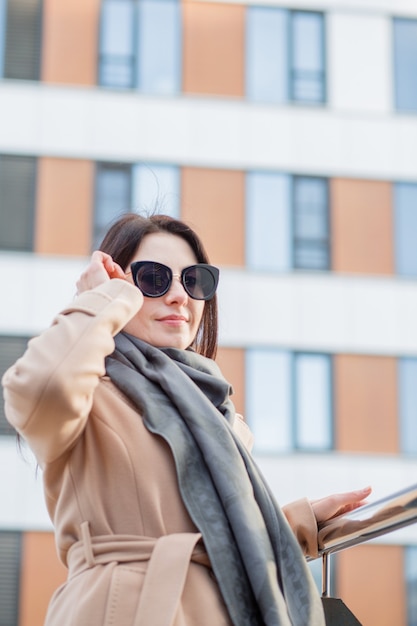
[{"x": 176, "y": 292}]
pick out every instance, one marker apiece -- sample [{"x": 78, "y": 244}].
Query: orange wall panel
[
  {"x": 232, "y": 363},
  {"x": 213, "y": 48},
  {"x": 70, "y": 41},
  {"x": 41, "y": 574},
  {"x": 370, "y": 581},
  {"x": 362, "y": 226},
  {"x": 64, "y": 206},
  {"x": 366, "y": 403},
  {"x": 213, "y": 204}
]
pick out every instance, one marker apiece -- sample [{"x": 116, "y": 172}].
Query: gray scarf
[{"x": 183, "y": 397}]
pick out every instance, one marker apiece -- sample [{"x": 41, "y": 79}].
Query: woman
[{"x": 160, "y": 514}]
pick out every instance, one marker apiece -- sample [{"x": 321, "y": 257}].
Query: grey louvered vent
[
  {"x": 11, "y": 348},
  {"x": 17, "y": 202},
  {"x": 10, "y": 550},
  {"x": 23, "y": 40}
]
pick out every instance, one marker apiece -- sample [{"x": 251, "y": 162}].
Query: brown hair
[{"x": 123, "y": 239}]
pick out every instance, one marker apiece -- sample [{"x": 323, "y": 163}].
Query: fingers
[
  {"x": 337, "y": 504},
  {"x": 352, "y": 497},
  {"x": 100, "y": 269}
]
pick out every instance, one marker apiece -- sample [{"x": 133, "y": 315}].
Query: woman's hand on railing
[{"x": 337, "y": 504}]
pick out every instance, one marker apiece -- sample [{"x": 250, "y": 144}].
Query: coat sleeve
[
  {"x": 303, "y": 522},
  {"x": 49, "y": 391}
]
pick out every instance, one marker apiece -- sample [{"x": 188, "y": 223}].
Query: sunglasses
[{"x": 154, "y": 279}]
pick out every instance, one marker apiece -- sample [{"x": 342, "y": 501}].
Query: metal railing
[{"x": 372, "y": 520}]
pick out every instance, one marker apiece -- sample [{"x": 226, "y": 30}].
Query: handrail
[
  {"x": 365, "y": 523},
  {"x": 369, "y": 521}
]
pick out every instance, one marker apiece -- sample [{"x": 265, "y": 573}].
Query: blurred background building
[{"x": 285, "y": 132}]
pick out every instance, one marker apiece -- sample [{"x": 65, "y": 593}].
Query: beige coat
[{"x": 133, "y": 553}]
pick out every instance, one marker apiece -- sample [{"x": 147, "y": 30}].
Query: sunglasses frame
[{"x": 214, "y": 271}]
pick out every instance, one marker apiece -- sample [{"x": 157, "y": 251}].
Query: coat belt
[{"x": 169, "y": 557}]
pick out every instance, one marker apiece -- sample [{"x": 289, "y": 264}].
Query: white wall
[
  {"x": 359, "y": 63},
  {"x": 35, "y": 288},
  {"x": 21, "y": 497},
  {"x": 321, "y": 312},
  {"x": 95, "y": 124}
]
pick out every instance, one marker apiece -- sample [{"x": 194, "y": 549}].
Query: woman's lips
[{"x": 173, "y": 320}]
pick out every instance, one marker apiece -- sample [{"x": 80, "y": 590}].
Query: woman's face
[{"x": 172, "y": 320}]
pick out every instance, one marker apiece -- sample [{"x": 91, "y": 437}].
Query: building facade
[{"x": 286, "y": 134}]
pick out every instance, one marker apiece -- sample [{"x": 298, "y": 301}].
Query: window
[
  {"x": 307, "y": 57},
  {"x": 287, "y": 222},
  {"x": 405, "y": 228},
  {"x": 266, "y": 54},
  {"x": 117, "y": 56},
  {"x": 268, "y": 221},
  {"x": 311, "y": 223},
  {"x": 20, "y": 21},
  {"x": 138, "y": 187},
  {"x": 268, "y": 399},
  {"x": 3, "y": 30},
  {"x": 140, "y": 45},
  {"x": 316, "y": 568},
  {"x": 313, "y": 405},
  {"x": 288, "y": 400},
  {"x": 407, "y": 387},
  {"x": 10, "y": 550},
  {"x": 17, "y": 202},
  {"x": 285, "y": 56},
  {"x": 411, "y": 582},
  {"x": 11, "y": 348},
  {"x": 158, "y": 51},
  {"x": 156, "y": 188},
  {"x": 405, "y": 64},
  {"x": 113, "y": 194}
]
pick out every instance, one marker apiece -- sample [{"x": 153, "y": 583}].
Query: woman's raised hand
[
  {"x": 100, "y": 269},
  {"x": 337, "y": 504}
]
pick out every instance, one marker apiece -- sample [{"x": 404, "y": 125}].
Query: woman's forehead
[{"x": 165, "y": 248}]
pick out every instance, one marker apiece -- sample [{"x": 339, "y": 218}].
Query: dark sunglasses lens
[
  {"x": 153, "y": 279},
  {"x": 200, "y": 282}
]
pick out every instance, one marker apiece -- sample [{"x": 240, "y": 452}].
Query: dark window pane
[
  {"x": 311, "y": 223},
  {"x": 23, "y": 40},
  {"x": 311, "y": 255},
  {"x": 10, "y": 549},
  {"x": 116, "y": 65},
  {"x": 17, "y": 200},
  {"x": 307, "y": 57},
  {"x": 113, "y": 196},
  {"x": 11, "y": 348},
  {"x": 405, "y": 64}
]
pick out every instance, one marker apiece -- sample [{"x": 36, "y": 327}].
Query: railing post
[
  {"x": 325, "y": 575},
  {"x": 335, "y": 611}
]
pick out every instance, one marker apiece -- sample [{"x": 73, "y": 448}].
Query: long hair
[{"x": 122, "y": 241}]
